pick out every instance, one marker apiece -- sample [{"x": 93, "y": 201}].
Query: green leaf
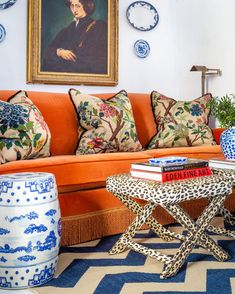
[
  {"x": 166, "y": 135},
  {"x": 21, "y": 128},
  {"x": 26, "y": 142},
  {"x": 36, "y": 138},
  {"x": 9, "y": 145},
  {"x": 132, "y": 134},
  {"x": 95, "y": 111},
  {"x": 22, "y": 135},
  {"x": 18, "y": 143},
  {"x": 171, "y": 127},
  {"x": 3, "y": 129},
  {"x": 186, "y": 108},
  {"x": 2, "y": 145},
  {"x": 29, "y": 125},
  {"x": 195, "y": 132}
]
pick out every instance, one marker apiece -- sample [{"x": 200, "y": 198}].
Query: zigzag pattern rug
[{"x": 88, "y": 269}]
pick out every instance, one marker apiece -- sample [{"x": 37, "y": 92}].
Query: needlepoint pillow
[
  {"x": 181, "y": 123},
  {"x": 23, "y": 132},
  {"x": 105, "y": 125}
]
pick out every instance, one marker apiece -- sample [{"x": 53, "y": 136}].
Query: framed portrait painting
[{"x": 73, "y": 42}]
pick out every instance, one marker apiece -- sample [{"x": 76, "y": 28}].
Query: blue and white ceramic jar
[
  {"x": 227, "y": 143},
  {"x": 30, "y": 229}
]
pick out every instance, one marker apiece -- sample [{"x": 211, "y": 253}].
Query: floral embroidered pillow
[
  {"x": 181, "y": 123},
  {"x": 105, "y": 125},
  {"x": 23, "y": 132}
]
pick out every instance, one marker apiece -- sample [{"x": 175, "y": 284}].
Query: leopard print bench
[{"x": 169, "y": 195}]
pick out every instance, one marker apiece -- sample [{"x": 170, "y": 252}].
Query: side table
[
  {"x": 169, "y": 195},
  {"x": 30, "y": 229}
]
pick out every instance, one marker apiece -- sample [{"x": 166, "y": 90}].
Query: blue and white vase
[
  {"x": 227, "y": 143},
  {"x": 30, "y": 229}
]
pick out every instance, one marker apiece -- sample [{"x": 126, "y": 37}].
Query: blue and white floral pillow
[
  {"x": 23, "y": 132},
  {"x": 181, "y": 123}
]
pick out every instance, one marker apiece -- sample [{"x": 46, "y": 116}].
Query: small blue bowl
[{"x": 167, "y": 160}]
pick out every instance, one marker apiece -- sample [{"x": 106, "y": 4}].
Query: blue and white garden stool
[{"x": 30, "y": 229}]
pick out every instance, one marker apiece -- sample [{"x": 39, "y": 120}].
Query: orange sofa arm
[{"x": 217, "y": 133}]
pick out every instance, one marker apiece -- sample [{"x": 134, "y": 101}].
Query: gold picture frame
[{"x": 42, "y": 71}]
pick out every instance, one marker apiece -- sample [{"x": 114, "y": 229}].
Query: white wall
[{"x": 189, "y": 32}]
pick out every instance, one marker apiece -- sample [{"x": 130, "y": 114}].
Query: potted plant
[{"x": 223, "y": 109}]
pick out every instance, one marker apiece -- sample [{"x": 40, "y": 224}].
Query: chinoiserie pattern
[
  {"x": 227, "y": 143},
  {"x": 168, "y": 195},
  {"x": 30, "y": 229}
]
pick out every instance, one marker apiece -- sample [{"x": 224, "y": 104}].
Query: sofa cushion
[
  {"x": 23, "y": 131},
  {"x": 105, "y": 125},
  {"x": 78, "y": 170},
  {"x": 90, "y": 170},
  {"x": 181, "y": 123},
  {"x": 200, "y": 152}
]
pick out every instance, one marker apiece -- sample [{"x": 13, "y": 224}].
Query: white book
[
  {"x": 221, "y": 162},
  {"x": 147, "y": 175}
]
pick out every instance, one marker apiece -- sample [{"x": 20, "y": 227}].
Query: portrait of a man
[{"x": 80, "y": 45}]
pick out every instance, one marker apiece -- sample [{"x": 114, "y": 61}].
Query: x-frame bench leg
[
  {"x": 126, "y": 242},
  {"x": 196, "y": 233},
  {"x": 160, "y": 230},
  {"x": 229, "y": 218},
  {"x": 221, "y": 231}
]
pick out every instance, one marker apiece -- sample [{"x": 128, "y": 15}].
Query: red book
[{"x": 173, "y": 175}]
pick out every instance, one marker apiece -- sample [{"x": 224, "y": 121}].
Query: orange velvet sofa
[{"x": 88, "y": 210}]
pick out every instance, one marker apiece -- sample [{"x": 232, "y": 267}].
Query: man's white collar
[{"x": 76, "y": 21}]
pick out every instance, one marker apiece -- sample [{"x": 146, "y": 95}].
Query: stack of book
[
  {"x": 221, "y": 162},
  {"x": 192, "y": 168}
]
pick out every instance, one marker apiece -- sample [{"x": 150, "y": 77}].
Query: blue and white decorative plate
[
  {"x": 142, "y": 15},
  {"x": 168, "y": 160},
  {"x": 2, "y": 33},
  {"x": 4, "y": 4},
  {"x": 142, "y": 48}
]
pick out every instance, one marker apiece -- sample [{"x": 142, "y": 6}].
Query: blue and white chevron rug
[{"x": 88, "y": 269}]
